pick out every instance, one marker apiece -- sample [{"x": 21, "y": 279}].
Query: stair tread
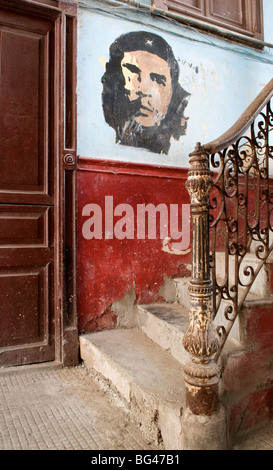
[
  {"x": 140, "y": 360},
  {"x": 175, "y": 315},
  {"x": 254, "y": 299}
]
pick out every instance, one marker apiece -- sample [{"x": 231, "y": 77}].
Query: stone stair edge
[
  {"x": 157, "y": 398},
  {"x": 127, "y": 334}
]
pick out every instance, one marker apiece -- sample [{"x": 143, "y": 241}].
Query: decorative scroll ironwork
[{"x": 241, "y": 217}]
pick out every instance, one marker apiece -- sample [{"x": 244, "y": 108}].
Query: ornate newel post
[{"x": 201, "y": 339}]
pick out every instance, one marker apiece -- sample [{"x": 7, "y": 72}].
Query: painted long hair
[{"x": 119, "y": 112}]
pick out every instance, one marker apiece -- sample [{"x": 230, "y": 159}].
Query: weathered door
[{"x": 30, "y": 289}]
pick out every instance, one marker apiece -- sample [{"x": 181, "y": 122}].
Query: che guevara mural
[{"x": 141, "y": 96}]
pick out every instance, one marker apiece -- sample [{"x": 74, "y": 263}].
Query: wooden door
[{"x": 30, "y": 187}]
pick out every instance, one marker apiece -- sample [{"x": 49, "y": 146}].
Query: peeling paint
[
  {"x": 103, "y": 61},
  {"x": 126, "y": 310},
  {"x": 167, "y": 247},
  {"x": 108, "y": 269}
]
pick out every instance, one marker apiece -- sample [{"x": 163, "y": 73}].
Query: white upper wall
[{"x": 222, "y": 78}]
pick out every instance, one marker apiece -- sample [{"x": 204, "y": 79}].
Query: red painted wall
[
  {"x": 108, "y": 268},
  {"x": 248, "y": 376}
]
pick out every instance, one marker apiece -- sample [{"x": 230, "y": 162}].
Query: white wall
[{"x": 222, "y": 78}]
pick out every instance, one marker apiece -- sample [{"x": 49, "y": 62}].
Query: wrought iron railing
[{"x": 232, "y": 224}]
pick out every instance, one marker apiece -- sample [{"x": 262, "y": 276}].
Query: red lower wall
[
  {"x": 248, "y": 375},
  {"x": 108, "y": 268}
]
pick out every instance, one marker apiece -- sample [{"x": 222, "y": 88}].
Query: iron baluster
[
  {"x": 232, "y": 229},
  {"x": 201, "y": 339}
]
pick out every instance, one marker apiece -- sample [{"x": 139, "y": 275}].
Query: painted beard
[{"x": 154, "y": 138}]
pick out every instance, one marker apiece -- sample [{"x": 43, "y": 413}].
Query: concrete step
[
  {"x": 166, "y": 325},
  {"x": 145, "y": 375},
  {"x": 177, "y": 291}
]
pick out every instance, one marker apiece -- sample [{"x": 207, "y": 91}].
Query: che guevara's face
[{"x": 147, "y": 79}]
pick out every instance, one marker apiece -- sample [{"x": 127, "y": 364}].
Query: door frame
[{"x": 64, "y": 44}]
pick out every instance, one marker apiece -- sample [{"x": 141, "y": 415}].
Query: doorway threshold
[{"x": 22, "y": 369}]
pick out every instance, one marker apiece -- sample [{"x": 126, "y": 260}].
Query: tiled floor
[
  {"x": 64, "y": 409},
  {"x": 69, "y": 409}
]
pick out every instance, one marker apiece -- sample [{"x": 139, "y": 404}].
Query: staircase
[
  {"x": 223, "y": 386},
  {"x": 144, "y": 364}
]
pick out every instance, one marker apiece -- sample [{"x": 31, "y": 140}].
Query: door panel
[
  {"x": 24, "y": 324},
  {"x": 24, "y": 129},
  {"x": 28, "y": 190},
  {"x": 25, "y": 225}
]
